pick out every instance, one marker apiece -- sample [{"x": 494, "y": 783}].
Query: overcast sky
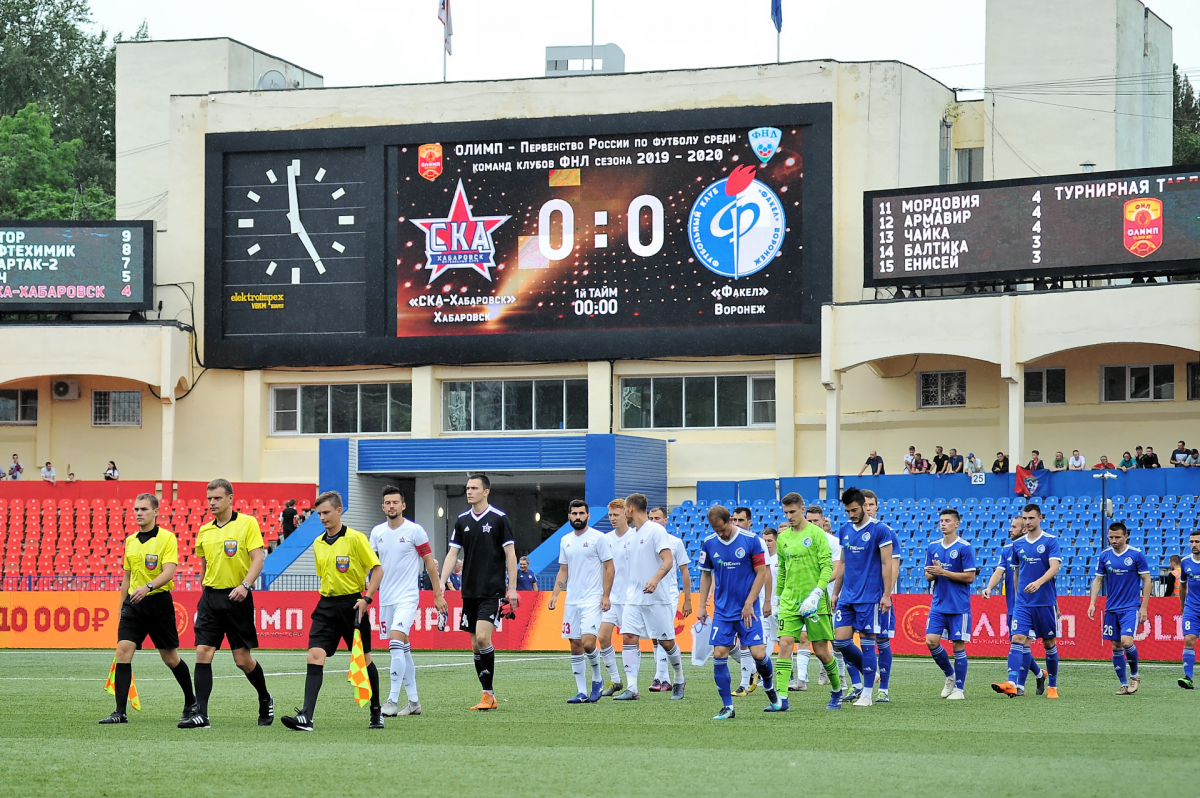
[{"x": 358, "y": 42}]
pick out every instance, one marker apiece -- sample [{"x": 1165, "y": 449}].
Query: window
[
  {"x": 1045, "y": 386},
  {"x": 514, "y": 405},
  {"x": 116, "y": 408},
  {"x": 341, "y": 409},
  {"x": 943, "y": 388},
  {"x": 1193, "y": 379},
  {"x": 697, "y": 402},
  {"x": 1138, "y": 383},
  {"x": 18, "y": 407},
  {"x": 970, "y": 164}
]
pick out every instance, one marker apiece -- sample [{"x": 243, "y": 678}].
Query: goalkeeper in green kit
[{"x": 805, "y": 569}]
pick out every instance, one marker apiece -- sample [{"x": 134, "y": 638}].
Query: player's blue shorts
[
  {"x": 1191, "y": 623},
  {"x": 724, "y": 632},
  {"x": 1119, "y": 623},
  {"x": 950, "y": 625},
  {"x": 1035, "y": 622},
  {"x": 862, "y": 617}
]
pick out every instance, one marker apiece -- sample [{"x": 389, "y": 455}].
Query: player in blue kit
[
  {"x": 735, "y": 561},
  {"x": 887, "y": 620},
  {"x": 1004, "y": 570},
  {"x": 950, "y": 566},
  {"x": 1127, "y": 574},
  {"x": 860, "y": 591},
  {"x": 1037, "y": 558},
  {"x": 1189, "y": 603}
]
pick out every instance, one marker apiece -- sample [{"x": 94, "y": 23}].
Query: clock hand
[
  {"x": 293, "y": 216},
  {"x": 308, "y": 244}
]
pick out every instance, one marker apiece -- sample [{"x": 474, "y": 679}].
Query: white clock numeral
[
  {"x": 271, "y": 268},
  {"x": 253, "y": 197},
  {"x": 341, "y": 192},
  {"x": 345, "y": 220},
  {"x": 295, "y": 275},
  {"x": 338, "y": 247},
  {"x": 271, "y": 176},
  {"x": 320, "y": 175},
  {"x": 253, "y": 250},
  {"x": 245, "y": 222}
]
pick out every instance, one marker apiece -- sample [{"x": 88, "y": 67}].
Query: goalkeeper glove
[{"x": 810, "y": 605}]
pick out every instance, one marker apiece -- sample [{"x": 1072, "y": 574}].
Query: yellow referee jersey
[
  {"x": 226, "y": 550},
  {"x": 145, "y": 561},
  {"x": 343, "y": 565}
]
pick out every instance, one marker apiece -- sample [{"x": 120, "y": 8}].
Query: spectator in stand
[
  {"x": 940, "y": 459},
  {"x": 1103, "y": 464},
  {"x": 1001, "y": 464},
  {"x": 1193, "y": 458},
  {"x": 71, "y": 477},
  {"x": 974, "y": 465},
  {"x": 920, "y": 465},
  {"x": 1180, "y": 455},
  {"x": 111, "y": 473},
  {"x": 287, "y": 519},
  {"x": 49, "y": 474},
  {"x": 1127, "y": 462},
  {"x": 1060, "y": 462},
  {"x": 909, "y": 458},
  {"x": 454, "y": 581},
  {"x": 1036, "y": 463},
  {"x": 1150, "y": 459},
  {"x": 526, "y": 579},
  {"x": 875, "y": 463},
  {"x": 16, "y": 469},
  {"x": 1077, "y": 462},
  {"x": 954, "y": 464},
  {"x": 1138, "y": 457}
]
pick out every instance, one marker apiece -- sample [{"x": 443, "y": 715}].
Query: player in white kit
[
  {"x": 662, "y": 674},
  {"x": 585, "y": 571},
  {"x": 403, "y": 547},
  {"x": 770, "y": 623},
  {"x": 611, "y": 618}
]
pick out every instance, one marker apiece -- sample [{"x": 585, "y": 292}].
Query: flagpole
[
  {"x": 443, "y": 62},
  {"x": 778, "y": 35}
]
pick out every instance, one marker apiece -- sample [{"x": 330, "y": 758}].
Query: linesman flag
[
  {"x": 110, "y": 686},
  {"x": 358, "y": 672},
  {"x": 444, "y": 17},
  {"x": 776, "y": 15}
]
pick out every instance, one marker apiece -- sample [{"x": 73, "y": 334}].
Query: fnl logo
[
  {"x": 736, "y": 225},
  {"x": 1143, "y": 225}
]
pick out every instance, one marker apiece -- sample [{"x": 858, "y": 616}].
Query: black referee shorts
[
  {"x": 218, "y": 618},
  {"x": 333, "y": 621},
  {"x": 478, "y": 609},
  {"x": 155, "y": 616}
]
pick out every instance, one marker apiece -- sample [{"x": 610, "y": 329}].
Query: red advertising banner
[{"x": 89, "y": 620}]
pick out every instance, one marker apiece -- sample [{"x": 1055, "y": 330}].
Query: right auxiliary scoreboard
[{"x": 1103, "y": 224}]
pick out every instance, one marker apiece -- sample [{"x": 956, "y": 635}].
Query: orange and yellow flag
[
  {"x": 358, "y": 672},
  {"x": 110, "y": 686}
]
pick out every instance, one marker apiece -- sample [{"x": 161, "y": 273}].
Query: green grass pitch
[{"x": 1089, "y": 742}]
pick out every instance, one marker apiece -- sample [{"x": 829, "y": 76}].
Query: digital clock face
[
  {"x": 697, "y": 228},
  {"x": 294, "y": 243}
]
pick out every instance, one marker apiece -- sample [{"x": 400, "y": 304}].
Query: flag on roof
[
  {"x": 776, "y": 15},
  {"x": 444, "y": 17}
]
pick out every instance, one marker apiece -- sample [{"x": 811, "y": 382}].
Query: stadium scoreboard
[
  {"x": 687, "y": 233},
  {"x": 1073, "y": 226},
  {"x": 96, "y": 266}
]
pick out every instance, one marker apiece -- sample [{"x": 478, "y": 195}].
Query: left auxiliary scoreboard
[{"x": 83, "y": 267}]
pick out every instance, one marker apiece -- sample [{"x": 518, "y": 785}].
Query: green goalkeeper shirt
[{"x": 805, "y": 563}]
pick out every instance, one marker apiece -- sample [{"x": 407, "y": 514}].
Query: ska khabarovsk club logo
[
  {"x": 736, "y": 225},
  {"x": 460, "y": 240}
]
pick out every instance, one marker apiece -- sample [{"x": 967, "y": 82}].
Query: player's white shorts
[
  {"x": 579, "y": 620},
  {"x": 649, "y": 621},
  {"x": 770, "y": 627},
  {"x": 397, "y": 618},
  {"x": 613, "y": 614}
]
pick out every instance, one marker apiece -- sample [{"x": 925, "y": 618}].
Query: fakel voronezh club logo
[
  {"x": 736, "y": 225},
  {"x": 460, "y": 240}
]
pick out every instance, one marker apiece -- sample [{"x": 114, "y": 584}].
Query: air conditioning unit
[{"x": 65, "y": 390}]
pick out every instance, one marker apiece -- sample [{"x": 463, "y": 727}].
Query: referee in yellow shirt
[
  {"x": 231, "y": 554},
  {"x": 345, "y": 561},
  {"x": 151, "y": 557}
]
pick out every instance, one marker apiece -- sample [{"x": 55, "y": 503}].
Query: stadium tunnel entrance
[{"x": 533, "y": 480}]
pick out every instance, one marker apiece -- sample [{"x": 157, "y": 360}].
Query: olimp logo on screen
[{"x": 736, "y": 225}]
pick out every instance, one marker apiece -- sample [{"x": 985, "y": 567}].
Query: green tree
[
  {"x": 36, "y": 173},
  {"x": 1186, "y": 115}
]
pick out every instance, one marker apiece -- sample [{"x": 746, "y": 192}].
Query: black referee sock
[
  {"x": 312, "y": 688},
  {"x": 184, "y": 677},
  {"x": 486, "y": 666},
  {"x": 259, "y": 680},
  {"x": 373, "y": 677},
  {"x": 124, "y": 678},
  {"x": 203, "y": 686}
]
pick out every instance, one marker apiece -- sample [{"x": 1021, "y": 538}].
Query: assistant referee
[
  {"x": 151, "y": 557},
  {"x": 345, "y": 561},
  {"x": 231, "y": 554}
]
